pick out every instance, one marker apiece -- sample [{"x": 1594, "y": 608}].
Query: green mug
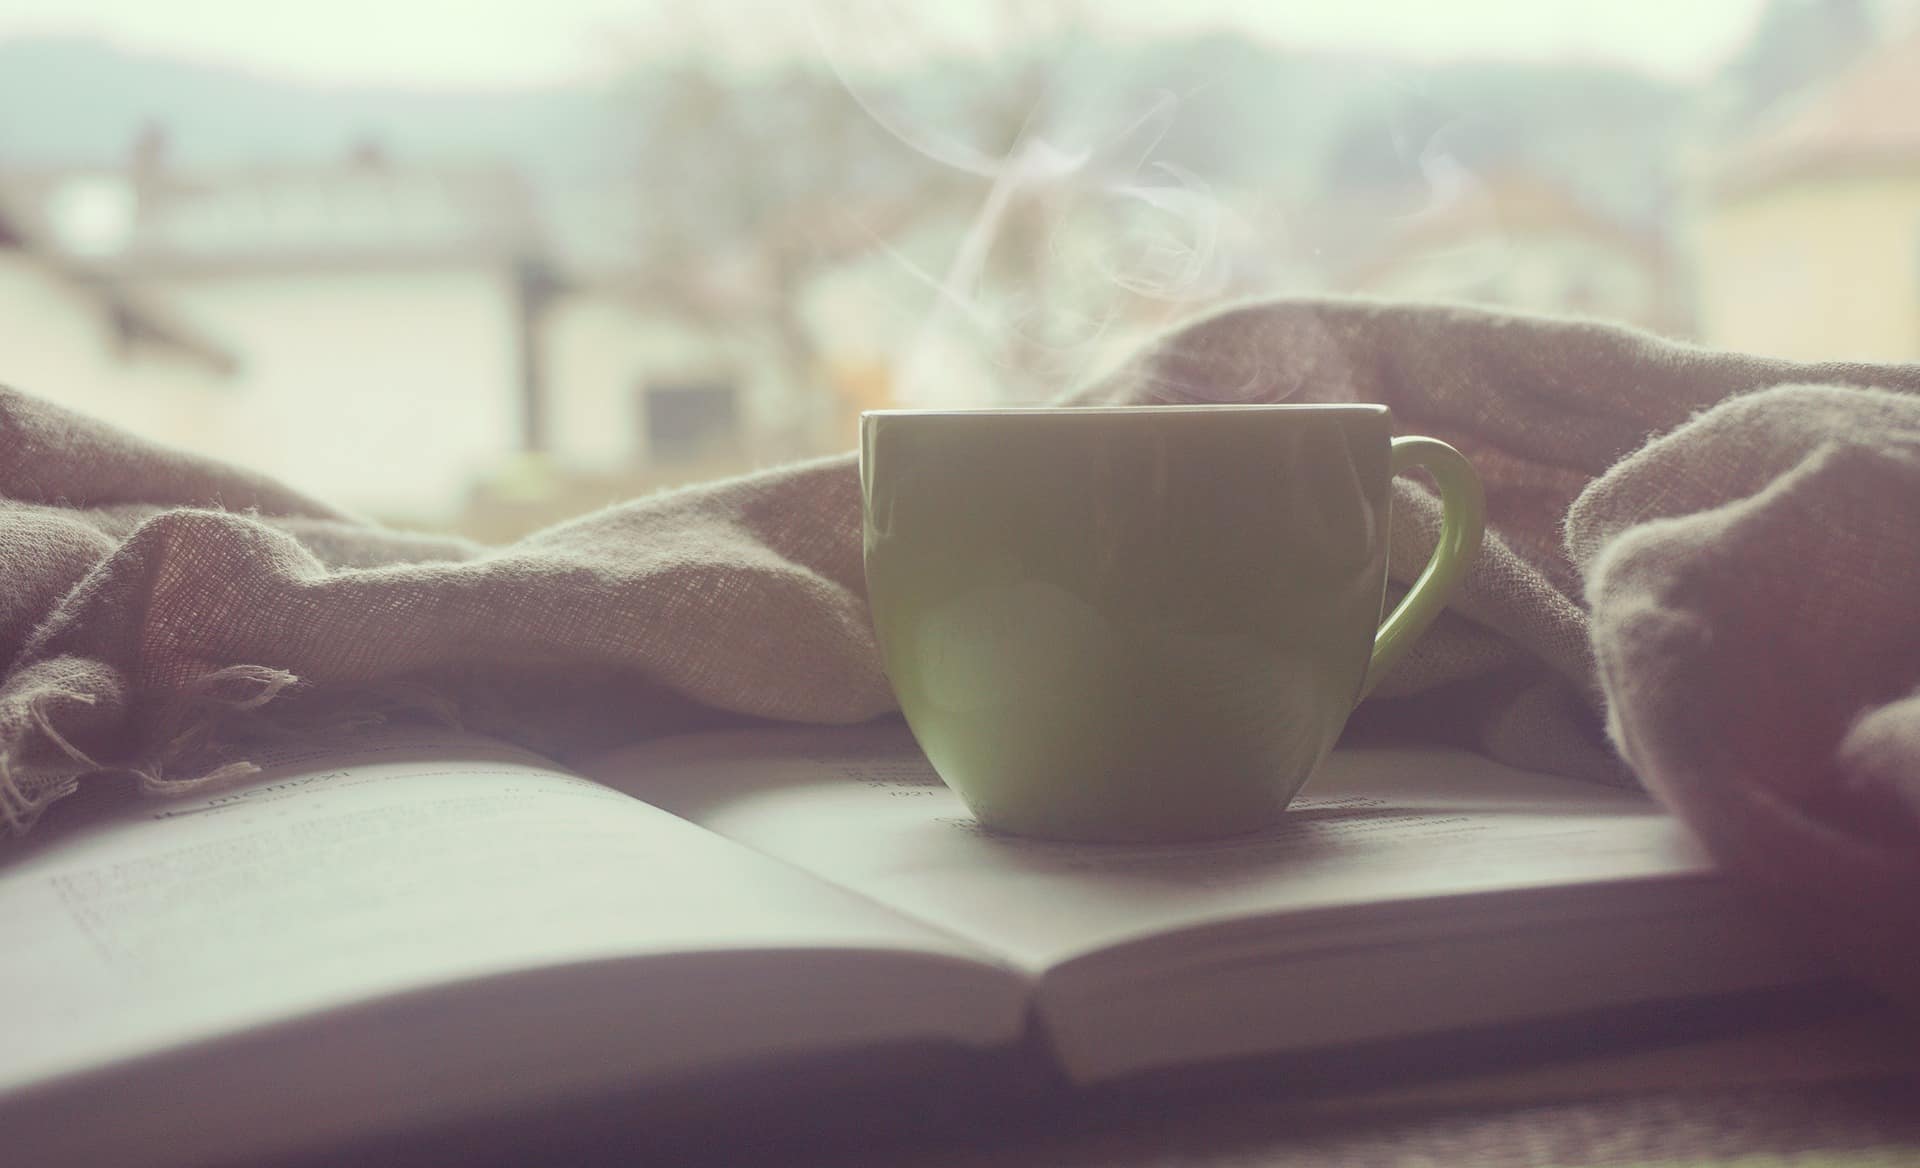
[{"x": 1145, "y": 623}]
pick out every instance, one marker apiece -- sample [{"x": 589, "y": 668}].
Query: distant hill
[
  {"x": 73, "y": 101},
  {"x": 1321, "y": 135}
]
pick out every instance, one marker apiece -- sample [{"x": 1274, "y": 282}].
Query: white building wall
[
  {"x": 600, "y": 350},
  {"x": 57, "y": 341},
  {"x": 599, "y": 353},
  {"x": 385, "y": 390}
]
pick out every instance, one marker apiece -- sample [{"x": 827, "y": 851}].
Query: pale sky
[{"x": 534, "y": 42}]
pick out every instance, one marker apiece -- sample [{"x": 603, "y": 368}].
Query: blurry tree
[
  {"x": 748, "y": 187},
  {"x": 1427, "y": 137},
  {"x": 1607, "y": 131},
  {"x": 769, "y": 180}
]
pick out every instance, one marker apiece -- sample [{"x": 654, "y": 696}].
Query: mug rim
[{"x": 1119, "y": 411}]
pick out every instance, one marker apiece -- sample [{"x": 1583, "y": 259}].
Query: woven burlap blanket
[{"x": 1704, "y": 575}]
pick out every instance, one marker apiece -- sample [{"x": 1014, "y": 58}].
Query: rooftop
[
  {"x": 359, "y": 211},
  {"x": 1869, "y": 115},
  {"x": 135, "y": 317},
  {"x": 1506, "y": 205}
]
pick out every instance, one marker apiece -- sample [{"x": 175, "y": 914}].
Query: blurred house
[
  {"x": 1521, "y": 241},
  {"x": 94, "y": 345},
  {"x": 382, "y": 318},
  {"x": 637, "y": 395},
  {"x": 404, "y": 339},
  {"x": 1808, "y": 237}
]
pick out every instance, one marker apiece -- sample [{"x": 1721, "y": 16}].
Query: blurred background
[{"x": 482, "y": 265}]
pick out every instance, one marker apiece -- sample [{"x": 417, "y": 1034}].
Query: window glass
[{"x": 474, "y": 266}]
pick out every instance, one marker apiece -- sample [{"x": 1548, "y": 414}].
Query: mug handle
[{"x": 1463, "y": 510}]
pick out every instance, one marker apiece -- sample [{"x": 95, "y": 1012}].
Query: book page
[
  {"x": 1374, "y": 829},
  {"x": 421, "y": 859},
  {"x": 1406, "y": 893}
]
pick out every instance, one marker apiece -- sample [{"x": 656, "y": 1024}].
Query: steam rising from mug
[
  {"x": 1118, "y": 220},
  {"x": 1120, "y": 226}
]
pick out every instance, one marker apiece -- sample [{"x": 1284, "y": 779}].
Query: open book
[{"x": 421, "y": 926}]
